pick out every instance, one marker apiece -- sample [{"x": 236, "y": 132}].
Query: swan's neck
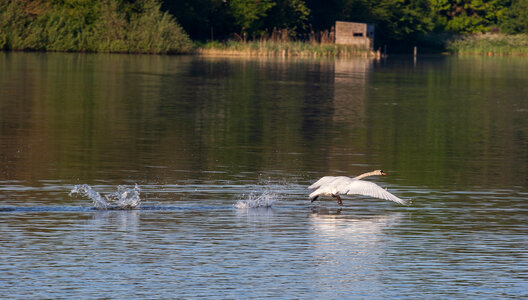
[{"x": 373, "y": 173}]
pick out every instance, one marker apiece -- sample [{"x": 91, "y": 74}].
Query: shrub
[{"x": 92, "y": 26}]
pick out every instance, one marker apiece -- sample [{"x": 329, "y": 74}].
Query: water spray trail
[
  {"x": 124, "y": 197},
  {"x": 266, "y": 199}
]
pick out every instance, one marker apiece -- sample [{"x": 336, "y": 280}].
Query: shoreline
[
  {"x": 473, "y": 45},
  {"x": 283, "y": 53}
]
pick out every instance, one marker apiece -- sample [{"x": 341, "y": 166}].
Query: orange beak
[{"x": 383, "y": 173}]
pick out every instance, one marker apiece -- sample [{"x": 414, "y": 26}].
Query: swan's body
[{"x": 342, "y": 185}]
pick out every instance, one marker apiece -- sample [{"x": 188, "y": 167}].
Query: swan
[{"x": 342, "y": 185}]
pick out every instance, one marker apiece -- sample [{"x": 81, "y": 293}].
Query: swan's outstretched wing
[
  {"x": 341, "y": 185},
  {"x": 324, "y": 181},
  {"x": 367, "y": 188}
]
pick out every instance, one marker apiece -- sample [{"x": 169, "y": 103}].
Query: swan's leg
[
  {"x": 338, "y": 199},
  {"x": 315, "y": 198}
]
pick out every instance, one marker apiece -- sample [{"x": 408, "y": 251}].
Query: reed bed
[
  {"x": 490, "y": 44},
  {"x": 283, "y": 49}
]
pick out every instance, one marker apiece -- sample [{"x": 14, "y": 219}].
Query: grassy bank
[
  {"x": 285, "y": 49},
  {"x": 90, "y": 26},
  {"x": 490, "y": 44}
]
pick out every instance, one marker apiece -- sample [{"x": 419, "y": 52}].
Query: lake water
[{"x": 220, "y": 152}]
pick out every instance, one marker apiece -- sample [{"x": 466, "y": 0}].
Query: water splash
[
  {"x": 126, "y": 198},
  {"x": 123, "y": 198},
  {"x": 266, "y": 199},
  {"x": 87, "y": 191}
]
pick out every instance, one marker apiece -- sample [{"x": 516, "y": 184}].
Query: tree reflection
[{"x": 442, "y": 122}]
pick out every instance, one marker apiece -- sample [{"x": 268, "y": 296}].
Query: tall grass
[
  {"x": 490, "y": 44},
  {"x": 292, "y": 48},
  {"x": 90, "y": 26}
]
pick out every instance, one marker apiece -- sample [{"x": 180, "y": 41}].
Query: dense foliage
[
  {"x": 515, "y": 18},
  {"x": 153, "y": 26},
  {"x": 399, "y": 23},
  {"x": 91, "y": 26}
]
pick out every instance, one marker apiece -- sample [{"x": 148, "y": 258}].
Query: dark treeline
[
  {"x": 168, "y": 26},
  {"x": 399, "y": 23}
]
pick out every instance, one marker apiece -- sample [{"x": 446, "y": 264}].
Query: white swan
[{"x": 342, "y": 185}]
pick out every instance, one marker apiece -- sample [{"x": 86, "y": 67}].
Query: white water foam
[
  {"x": 123, "y": 198},
  {"x": 266, "y": 199}
]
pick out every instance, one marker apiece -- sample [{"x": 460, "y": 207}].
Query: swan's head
[{"x": 380, "y": 172}]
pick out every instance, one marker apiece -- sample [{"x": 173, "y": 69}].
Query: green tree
[
  {"x": 468, "y": 16},
  {"x": 403, "y": 20},
  {"x": 516, "y": 18},
  {"x": 248, "y": 14},
  {"x": 398, "y": 22},
  {"x": 291, "y": 14}
]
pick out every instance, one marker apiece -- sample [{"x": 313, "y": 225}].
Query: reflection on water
[
  {"x": 350, "y": 250},
  {"x": 350, "y": 84},
  {"x": 200, "y": 135},
  {"x": 444, "y": 122},
  {"x": 122, "y": 220}
]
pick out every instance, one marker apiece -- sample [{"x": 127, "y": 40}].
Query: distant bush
[
  {"x": 490, "y": 44},
  {"x": 90, "y": 26}
]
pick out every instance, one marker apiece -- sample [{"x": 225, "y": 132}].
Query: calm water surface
[{"x": 200, "y": 135}]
